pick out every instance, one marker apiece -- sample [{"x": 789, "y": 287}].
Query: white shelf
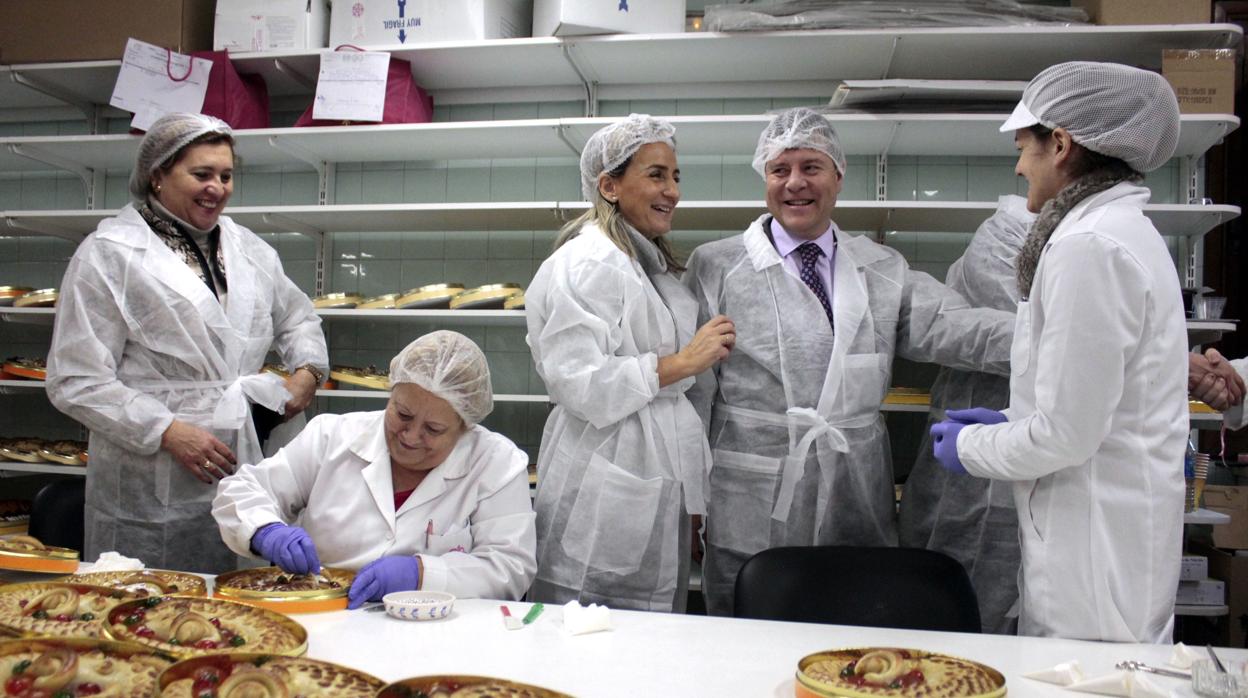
[
  {"x": 1205, "y": 331},
  {"x": 960, "y": 135},
  {"x": 1186, "y": 220},
  {"x": 35, "y": 316},
  {"x": 7, "y": 386},
  {"x": 45, "y": 468},
  {"x": 385, "y": 395},
  {"x": 1206, "y": 420},
  {"x": 690, "y": 65},
  {"x": 1189, "y": 610},
  {"x": 1205, "y": 516},
  {"x": 447, "y": 317}
]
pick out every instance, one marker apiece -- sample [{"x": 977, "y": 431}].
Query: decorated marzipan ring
[
  {"x": 488, "y": 297},
  {"x": 429, "y": 297}
]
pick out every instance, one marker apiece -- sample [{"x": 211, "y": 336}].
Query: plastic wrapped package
[{"x": 875, "y": 14}]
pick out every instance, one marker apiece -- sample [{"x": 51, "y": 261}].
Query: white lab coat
[
  {"x": 469, "y": 520},
  {"x": 799, "y": 446},
  {"x": 1237, "y": 417},
  {"x": 1098, "y": 427},
  {"x": 623, "y": 462},
  {"x": 139, "y": 341}
]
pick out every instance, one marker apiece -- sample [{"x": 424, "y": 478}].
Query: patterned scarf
[
  {"x": 185, "y": 247},
  {"x": 1051, "y": 215}
]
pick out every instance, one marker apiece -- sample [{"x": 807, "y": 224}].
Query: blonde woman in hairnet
[
  {"x": 418, "y": 496},
  {"x": 165, "y": 317},
  {"x": 1097, "y": 424},
  {"x": 800, "y": 448},
  {"x": 623, "y": 457}
]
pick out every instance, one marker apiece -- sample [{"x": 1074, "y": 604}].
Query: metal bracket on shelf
[
  {"x": 88, "y": 109},
  {"x": 1189, "y": 174},
  {"x": 881, "y": 177},
  {"x": 55, "y": 231},
  {"x": 591, "y": 86},
  {"x": 285, "y": 69},
  {"x": 324, "y": 249},
  {"x": 292, "y": 225},
  {"x": 298, "y": 152},
  {"x": 86, "y": 174},
  {"x": 562, "y": 131},
  {"x": 892, "y": 53}
]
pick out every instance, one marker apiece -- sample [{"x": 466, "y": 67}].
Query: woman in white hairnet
[
  {"x": 1098, "y": 420},
  {"x": 969, "y": 519},
  {"x": 419, "y": 496},
  {"x": 623, "y": 457},
  {"x": 801, "y": 453},
  {"x": 165, "y": 317}
]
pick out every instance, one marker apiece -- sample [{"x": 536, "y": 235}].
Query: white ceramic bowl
[{"x": 419, "y": 605}]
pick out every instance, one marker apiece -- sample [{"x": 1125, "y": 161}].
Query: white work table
[{"x": 654, "y": 654}]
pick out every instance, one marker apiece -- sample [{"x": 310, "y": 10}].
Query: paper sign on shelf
[
  {"x": 154, "y": 81},
  {"x": 351, "y": 86}
]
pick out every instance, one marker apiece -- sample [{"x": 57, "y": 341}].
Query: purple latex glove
[
  {"x": 976, "y": 415},
  {"x": 382, "y": 576},
  {"x": 945, "y": 445},
  {"x": 289, "y": 547}
]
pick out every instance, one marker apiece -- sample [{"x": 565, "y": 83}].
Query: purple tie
[{"x": 810, "y": 253}]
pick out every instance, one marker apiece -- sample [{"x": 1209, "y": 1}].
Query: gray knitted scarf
[{"x": 1053, "y": 212}]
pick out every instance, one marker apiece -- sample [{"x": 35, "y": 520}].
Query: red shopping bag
[
  {"x": 242, "y": 101},
  {"x": 406, "y": 102}
]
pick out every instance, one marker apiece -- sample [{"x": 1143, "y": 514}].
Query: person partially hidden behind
[{"x": 419, "y": 496}]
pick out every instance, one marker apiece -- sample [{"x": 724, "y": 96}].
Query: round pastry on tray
[
  {"x": 487, "y": 297},
  {"x": 64, "y": 452},
  {"x": 8, "y": 294},
  {"x": 21, "y": 367},
  {"x": 79, "y": 667},
  {"x": 452, "y": 686},
  {"x": 337, "y": 301},
  {"x": 23, "y": 449},
  {"x": 42, "y": 298},
  {"x": 144, "y": 583},
  {"x": 888, "y": 671},
  {"x": 253, "y": 674},
  {"x": 383, "y": 302},
  {"x": 363, "y": 377},
  {"x": 58, "y": 609},
  {"x": 272, "y": 588},
  {"x": 430, "y": 297},
  {"x": 28, "y": 554},
  {"x": 188, "y": 626}
]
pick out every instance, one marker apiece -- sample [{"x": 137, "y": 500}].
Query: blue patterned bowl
[{"x": 419, "y": 605}]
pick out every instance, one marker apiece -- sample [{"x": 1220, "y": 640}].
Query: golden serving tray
[
  {"x": 24, "y": 450},
  {"x": 144, "y": 583},
  {"x": 907, "y": 396},
  {"x": 515, "y": 302},
  {"x": 261, "y": 630},
  {"x": 366, "y": 378},
  {"x": 43, "y": 298},
  {"x": 120, "y": 669},
  {"x": 820, "y": 675},
  {"x": 64, "y": 452},
  {"x": 9, "y": 294},
  {"x": 337, "y": 300},
  {"x": 28, "y": 554},
  {"x": 91, "y": 607},
  {"x": 277, "y": 370},
  {"x": 429, "y": 297},
  {"x": 487, "y": 297},
  {"x": 385, "y": 301},
  {"x": 480, "y": 685},
  {"x": 34, "y": 369},
  {"x": 297, "y": 676},
  {"x": 240, "y": 585}
]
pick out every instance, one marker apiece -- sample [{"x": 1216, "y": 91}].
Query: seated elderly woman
[{"x": 418, "y": 496}]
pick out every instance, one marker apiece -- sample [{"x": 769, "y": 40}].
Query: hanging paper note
[
  {"x": 351, "y": 86},
  {"x": 154, "y": 81}
]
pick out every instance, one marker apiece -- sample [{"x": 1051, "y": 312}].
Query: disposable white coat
[
  {"x": 622, "y": 461},
  {"x": 970, "y": 518},
  {"x": 1098, "y": 426},
  {"x": 139, "y": 341},
  {"x": 1237, "y": 417},
  {"x": 799, "y": 446},
  {"x": 334, "y": 480}
]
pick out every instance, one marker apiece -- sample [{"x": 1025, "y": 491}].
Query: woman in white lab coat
[
  {"x": 166, "y": 314},
  {"x": 419, "y": 496},
  {"x": 623, "y": 460},
  {"x": 1097, "y": 424}
]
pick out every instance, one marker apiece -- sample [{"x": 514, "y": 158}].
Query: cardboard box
[
  {"x": 1232, "y": 501},
  {"x": 270, "y": 25},
  {"x": 575, "y": 17},
  {"x": 38, "y": 31},
  {"x": 1203, "y": 80},
  {"x": 386, "y": 23},
  {"x": 1232, "y": 569},
  {"x": 1205, "y": 592},
  {"x": 1146, "y": 11},
  {"x": 1193, "y": 568}
]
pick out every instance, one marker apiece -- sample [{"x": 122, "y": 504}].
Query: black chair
[
  {"x": 56, "y": 516},
  {"x": 883, "y": 587}
]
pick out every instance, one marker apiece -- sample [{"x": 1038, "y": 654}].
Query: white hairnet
[
  {"x": 1111, "y": 109},
  {"x": 612, "y": 145},
  {"x": 163, "y": 140},
  {"x": 451, "y": 366},
  {"x": 798, "y": 128}
]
